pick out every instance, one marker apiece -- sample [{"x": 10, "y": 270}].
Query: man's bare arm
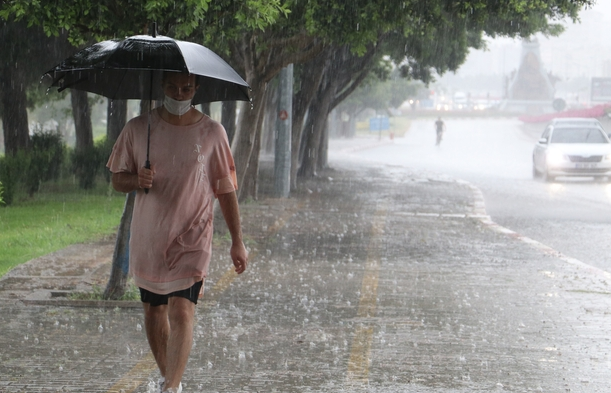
[
  {"x": 231, "y": 212},
  {"x": 128, "y": 182}
]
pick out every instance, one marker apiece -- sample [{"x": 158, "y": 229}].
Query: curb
[{"x": 479, "y": 210}]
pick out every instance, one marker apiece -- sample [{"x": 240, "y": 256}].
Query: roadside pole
[{"x": 282, "y": 160}]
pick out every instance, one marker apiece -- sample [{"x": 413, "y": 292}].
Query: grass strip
[{"x": 53, "y": 219}]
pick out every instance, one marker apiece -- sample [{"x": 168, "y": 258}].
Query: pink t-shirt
[{"x": 171, "y": 230}]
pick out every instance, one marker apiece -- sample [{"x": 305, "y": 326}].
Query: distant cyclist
[{"x": 440, "y": 127}]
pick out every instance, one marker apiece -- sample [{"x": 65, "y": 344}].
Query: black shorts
[{"x": 155, "y": 299}]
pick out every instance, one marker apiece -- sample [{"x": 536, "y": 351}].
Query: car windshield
[{"x": 578, "y": 135}]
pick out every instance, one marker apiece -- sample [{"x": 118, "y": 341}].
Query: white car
[{"x": 572, "y": 147}]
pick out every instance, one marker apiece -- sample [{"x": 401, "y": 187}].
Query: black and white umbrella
[{"x": 133, "y": 68}]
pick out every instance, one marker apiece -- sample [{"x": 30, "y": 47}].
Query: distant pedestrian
[
  {"x": 440, "y": 128},
  {"x": 171, "y": 230}
]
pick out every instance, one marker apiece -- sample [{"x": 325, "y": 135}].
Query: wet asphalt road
[
  {"x": 373, "y": 278},
  {"x": 572, "y": 215}
]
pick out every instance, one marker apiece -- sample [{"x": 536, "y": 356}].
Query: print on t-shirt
[{"x": 202, "y": 169}]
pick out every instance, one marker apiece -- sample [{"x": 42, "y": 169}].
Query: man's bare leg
[
  {"x": 181, "y": 314},
  {"x": 157, "y": 328}
]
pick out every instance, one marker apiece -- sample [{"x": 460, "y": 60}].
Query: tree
[
  {"x": 82, "y": 120},
  {"x": 309, "y": 77},
  {"x": 24, "y": 52},
  {"x": 263, "y": 58},
  {"x": 309, "y": 27},
  {"x": 342, "y": 74},
  {"x": 382, "y": 89},
  {"x": 420, "y": 36}
]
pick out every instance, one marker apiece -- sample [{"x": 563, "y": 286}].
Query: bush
[
  {"x": 87, "y": 164},
  {"x": 43, "y": 161},
  {"x": 104, "y": 147},
  {"x": 1, "y": 192},
  {"x": 10, "y": 169},
  {"x": 49, "y": 147}
]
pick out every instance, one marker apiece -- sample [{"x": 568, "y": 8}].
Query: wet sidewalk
[{"x": 368, "y": 279}]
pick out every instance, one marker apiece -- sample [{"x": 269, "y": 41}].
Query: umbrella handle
[{"x": 147, "y": 165}]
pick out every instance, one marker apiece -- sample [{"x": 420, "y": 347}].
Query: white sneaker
[{"x": 174, "y": 390}]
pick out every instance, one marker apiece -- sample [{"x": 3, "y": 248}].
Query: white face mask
[{"x": 175, "y": 107}]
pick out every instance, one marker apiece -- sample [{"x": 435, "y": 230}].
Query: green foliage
[
  {"x": 49, "y": 147},
  {"x": 104, "y": 148},
  {"x": 258, "y": 15},
  {"x": 11, "y": 167},
  {"x": 86, "y": 165},
  {"x": 32, "y": 167},
  {"x": 43, "y": 161},
  {"x": 380, "y": 92},
  {"x": 87, "y": 20},
  {"x": 1, "y": 193}
]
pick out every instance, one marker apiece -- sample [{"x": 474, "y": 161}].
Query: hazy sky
[{"x": 581, "y": 50}]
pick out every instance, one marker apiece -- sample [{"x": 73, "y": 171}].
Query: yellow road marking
[
  {"x": 358, "y": 365},
  {"x": 369, "y": 289},
  {"x": 136, "y": 376},
  {"x": 357, "y": 373}
]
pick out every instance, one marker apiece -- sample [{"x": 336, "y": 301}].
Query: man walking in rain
[
  {"x": 171, "y": 230},
  {"x": 440, "y": 127}
]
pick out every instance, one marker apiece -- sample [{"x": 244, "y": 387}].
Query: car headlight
[
  {"x": 607, "y": 157},
  {"x": 556, "y": 158}
]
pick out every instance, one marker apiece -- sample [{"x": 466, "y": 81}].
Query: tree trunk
[
  {"x": 251, "y": 178},
  {"x": 115, "y": 119},
  {"x": 117, "y": 282},
  {"x": 250, "y": 184},
  {"x": 268, "y": 126},
  {"x": 86, "y": 164},
  {"x": 244, "y": 139},
  {"x": 297, "y": 127},
  {"x": 323, "y": 155},
  {"x": 82, "y": 120},
  {"x": 15, "y": 115},
  {"x": 315, "y": 125},
  {"x": 228, "y": 118},
  {"x": 310, "y": 78}
]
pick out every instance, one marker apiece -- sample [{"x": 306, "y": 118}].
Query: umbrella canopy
[{"x": 133, "y": 68}]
